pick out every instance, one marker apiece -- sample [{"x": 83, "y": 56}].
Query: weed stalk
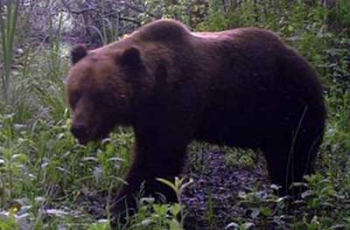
[{"x": 8, "y": 21}]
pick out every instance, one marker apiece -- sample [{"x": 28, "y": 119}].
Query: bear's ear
[
  {"x": 77, "y": 53},
  {"x": 131, "y": 58}
]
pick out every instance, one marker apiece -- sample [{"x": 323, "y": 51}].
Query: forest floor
[{"x": 212, "y": 199}]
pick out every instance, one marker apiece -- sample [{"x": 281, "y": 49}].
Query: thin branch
[
  {"x": 91, "y": 8},
  {"x": 121, "y": 18},
  {"x": 138, "y": 9}
]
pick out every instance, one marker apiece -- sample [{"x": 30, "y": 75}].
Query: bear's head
[{"x": 100, "y": 88}]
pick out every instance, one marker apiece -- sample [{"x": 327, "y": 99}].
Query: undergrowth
[{"x": 47, "y": 181}]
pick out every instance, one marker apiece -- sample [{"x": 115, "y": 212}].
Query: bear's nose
[{"x": 79, "y": 130}]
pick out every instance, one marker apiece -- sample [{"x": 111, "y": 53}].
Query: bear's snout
[{"x": 80, "y": 132}]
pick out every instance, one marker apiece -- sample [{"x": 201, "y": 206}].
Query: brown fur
[{"x": 241, "y": 88}]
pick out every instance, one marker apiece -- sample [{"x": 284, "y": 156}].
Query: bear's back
[{"x": 163, "y": 31}]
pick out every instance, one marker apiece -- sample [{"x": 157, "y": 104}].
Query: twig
[
  {"x": 138, "y": 9},
  {"x": 91, "y": 8},
  {"x": 121, "y": 18}
]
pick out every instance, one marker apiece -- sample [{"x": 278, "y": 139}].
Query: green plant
[
  {"x": 210, "y": 213},
  {"x": 49, "y": 85},
  {"x": 260, "y": 206},
  {"x": 8, "y": 20},
  {"x": 161, "y": 216},
  {"x": 102, "y": 225},
  {"x": 341, "y": 15},
  {"x": 240, "y": 157},
  {"x": 12, "y": 160},
  {"x": 321, "y": 206},
  {"x": 178, "y": 186},
  {"x": 8, "y": 222}
]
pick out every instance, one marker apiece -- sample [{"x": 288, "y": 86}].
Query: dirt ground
[{"x": 211, "y": 200}]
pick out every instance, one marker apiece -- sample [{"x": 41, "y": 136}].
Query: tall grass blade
[{"x": 8, "y": 21}]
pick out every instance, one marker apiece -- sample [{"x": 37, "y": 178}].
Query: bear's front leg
[{"x": 153, "y": 159}]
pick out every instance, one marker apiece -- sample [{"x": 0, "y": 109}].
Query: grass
[
  {"x": 46, "y": 180},
  {"x": 7, "y": 30}
]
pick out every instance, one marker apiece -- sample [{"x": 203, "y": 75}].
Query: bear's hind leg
[{"x": 289, "y": 161}]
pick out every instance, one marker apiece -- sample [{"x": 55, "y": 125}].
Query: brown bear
[{"x": 241, "y": 88}]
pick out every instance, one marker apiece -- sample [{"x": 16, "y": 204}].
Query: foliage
[
  {"x": 47, "y": 181},
  {"x": 8, "y": 21},
  {"x": 161, "y": 216},
  {"x": 319, "y": 207}
]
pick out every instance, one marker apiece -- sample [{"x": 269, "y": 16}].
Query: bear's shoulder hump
[{"x": 164, "y": 30}]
